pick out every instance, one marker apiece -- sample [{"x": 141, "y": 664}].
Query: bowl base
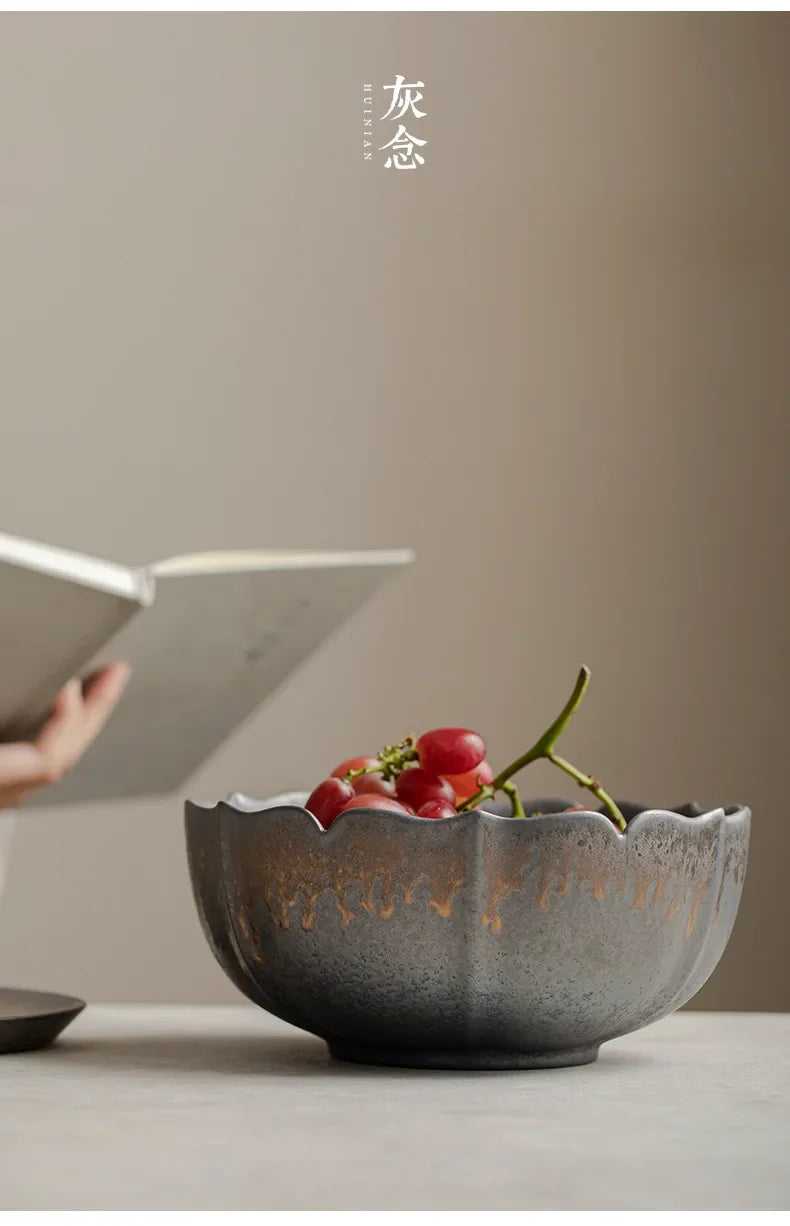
[{"x": 435, "y": 1058}]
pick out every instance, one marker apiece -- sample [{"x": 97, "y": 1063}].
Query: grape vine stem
[{"x": 544, "y": 748}]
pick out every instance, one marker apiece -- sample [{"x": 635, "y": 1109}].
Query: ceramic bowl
[{"x": 478, "y": 941}]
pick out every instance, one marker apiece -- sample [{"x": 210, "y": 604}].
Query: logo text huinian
[{"x": 402, "y": 150}]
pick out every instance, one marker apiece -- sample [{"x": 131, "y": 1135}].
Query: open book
[{"x": 209, "y": 638}]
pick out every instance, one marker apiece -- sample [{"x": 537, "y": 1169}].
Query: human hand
[{"x": 76, "y": 720}]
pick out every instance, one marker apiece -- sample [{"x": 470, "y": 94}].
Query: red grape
[
  {"x": 373, "y": 784},
  {"x": 353, "y": 764},
  {"x": 436, "y": 808},
  {"x": 372, "y": 800},
  {"x": 416, "y": 785},
  {"x": 328, "y": 800},
  {"x": 450, "y": 751},
  {"x": 575, "y": 809},
  {"x": 466, "y": 785}
]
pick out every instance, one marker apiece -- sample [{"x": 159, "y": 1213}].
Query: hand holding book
[
  {"x": 209, "y": 637},
  {"x": 77, "y": 718}
]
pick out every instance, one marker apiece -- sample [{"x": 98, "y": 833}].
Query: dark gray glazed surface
[
  {"x": 476, "y": 941},
  {"x": 32, "y": 1020}
]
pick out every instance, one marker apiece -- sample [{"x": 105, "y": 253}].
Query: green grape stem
[
  {"x": 544, "y": 748},
  {"x": 517, "y": 808},
  {"x": 389, "y": 762}
]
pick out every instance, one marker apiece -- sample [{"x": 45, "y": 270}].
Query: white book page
[
  {"x": 211, "y": 649},
  {"x": 223, "y": 561},
  {"x": 77, "y": 568}
]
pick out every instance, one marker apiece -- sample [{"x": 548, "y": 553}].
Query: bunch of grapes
[
  {"x": 428, "y": 778},
  {"x": 445, "y": 772}
]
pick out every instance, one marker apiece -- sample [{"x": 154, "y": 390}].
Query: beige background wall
[{"x": 554, "y": 361}]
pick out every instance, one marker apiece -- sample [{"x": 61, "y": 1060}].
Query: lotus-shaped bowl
[{"x": 479, "y": 941}]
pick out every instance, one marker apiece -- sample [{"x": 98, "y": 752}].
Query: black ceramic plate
[{"x": 30, "y": 1020}]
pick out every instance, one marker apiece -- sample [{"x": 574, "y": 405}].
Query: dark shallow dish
[
  {"x": 32, "y": 1020},
  {"x": 473, "y": 942}
]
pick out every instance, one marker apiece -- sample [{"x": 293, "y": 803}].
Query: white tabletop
[{"x": 185, "y": 1107}]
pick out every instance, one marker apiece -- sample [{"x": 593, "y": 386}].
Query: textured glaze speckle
[{"x": 477, "y": 941}]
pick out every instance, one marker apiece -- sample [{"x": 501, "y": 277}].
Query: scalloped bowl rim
[{"x": 732, "y": 815}]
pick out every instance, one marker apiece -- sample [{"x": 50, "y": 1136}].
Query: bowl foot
[{"x": 435, "y": 1058}]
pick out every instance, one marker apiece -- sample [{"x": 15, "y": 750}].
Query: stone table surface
[{"x": 223, "y": 1107}]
